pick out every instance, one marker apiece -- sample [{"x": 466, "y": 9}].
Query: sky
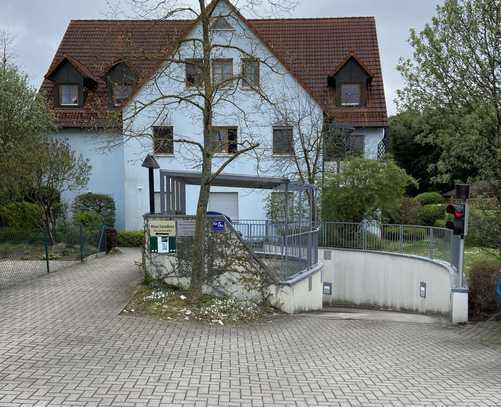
[{"x": 37, "y": 27}]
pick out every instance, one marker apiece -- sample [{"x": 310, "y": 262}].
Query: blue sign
[{"x": 218, "y": 226}]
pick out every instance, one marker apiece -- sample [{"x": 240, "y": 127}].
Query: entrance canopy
[{"x": 173, "y": 186}]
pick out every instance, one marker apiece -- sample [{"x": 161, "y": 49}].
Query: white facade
[{"x": 118, "y": 171}]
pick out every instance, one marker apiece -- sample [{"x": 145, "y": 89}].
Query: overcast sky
[{"x": 38, "y": 26}]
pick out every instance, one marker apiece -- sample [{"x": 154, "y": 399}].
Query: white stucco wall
[
  {"x": 387, "y": 280},
  {"x": 302, "y": 294},
  {"x": 107, "y": 162}
]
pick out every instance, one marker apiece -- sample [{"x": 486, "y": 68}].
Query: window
[
  {"x": 224, "y": 139},
  {"x": 221, "y": 24},
  {"x": 250, "y": 73},
  {"x": 283, "y": 141},
  {"x": 222, "y": 70},
  {"x": 120, "y": 93},
  {"x": 357, "y": 144},
  {"x": 194, "y": 72},
  {"x": 351, "y": 94},
  {"x": 68, "y": 95},
  {"x": 163, "y": 142}
]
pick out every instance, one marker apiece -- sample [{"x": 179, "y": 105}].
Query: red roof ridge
[{"x": 313, "y": 18}]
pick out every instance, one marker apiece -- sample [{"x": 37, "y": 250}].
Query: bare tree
[
  {"x": 206, "y": 90},
  {"x": 6, "y": 46},
  {"x": 305, "y": 118}
]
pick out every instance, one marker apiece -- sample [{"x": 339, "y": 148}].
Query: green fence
[{"x": 27, "y": 254}]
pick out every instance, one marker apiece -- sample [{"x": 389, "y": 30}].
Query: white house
[{"x": 106, "y": 74}]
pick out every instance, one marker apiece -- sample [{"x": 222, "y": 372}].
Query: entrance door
[{"x": 225, "y": 203}]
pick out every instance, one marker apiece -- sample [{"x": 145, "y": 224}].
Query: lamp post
[{"x": 151, "y": 163}]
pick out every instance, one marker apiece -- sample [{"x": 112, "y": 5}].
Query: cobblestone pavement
[{"x": 62, "y": 342}]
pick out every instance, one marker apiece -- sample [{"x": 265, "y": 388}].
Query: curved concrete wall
[{"x": 387, "y": 280}]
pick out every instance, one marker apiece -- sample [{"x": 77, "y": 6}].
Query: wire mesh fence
[
  {"x": 27, "y": 254},
  {"x": 430, "y": 242}
]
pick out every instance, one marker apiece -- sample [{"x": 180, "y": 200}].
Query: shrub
[
  {"x": 429, "y": 214},
  {"x": 21, "y": 216},
  {"x": 102, "y": 205},
  {"x": 364, "y": 190},
  {"x": 430, "y": 198},
  {"x": 482, "y": 282},
  {"x": 111, "y": 239},
  {"x": 130, "y": 238},
  {"x": 409, "y": 211},
  {"x": 90, "y": 219}
]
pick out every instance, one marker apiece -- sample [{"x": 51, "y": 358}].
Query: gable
[{"x": 308, "y": 48}]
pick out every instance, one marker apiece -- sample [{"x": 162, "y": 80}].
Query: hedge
[
  {"x": 430, "y": 198},
  {"x": 482, "y": 284},
  {"x": 133, "y": 238}
]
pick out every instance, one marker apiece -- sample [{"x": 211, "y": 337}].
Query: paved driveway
[{"x": 62, "y": 342}]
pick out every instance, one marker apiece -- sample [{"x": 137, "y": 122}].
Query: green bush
[
  {"x": 90, "y": 219},
  {"x": 429, "y": 214},
  {"x": 21, "y": 216},
  {"x": 482, "y": 283},
  {"x": 102, "y": 205},
  {"x": 409, "y": 212},
  {"x": 130, "y": 238},
  {"x": 430, "y": 198}
]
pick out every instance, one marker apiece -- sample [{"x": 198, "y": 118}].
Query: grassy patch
[{"x": 164, "y": 302}]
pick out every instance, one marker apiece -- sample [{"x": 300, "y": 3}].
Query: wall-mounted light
[
  {"x": 327, "y": 288},
  {"x": 422, "y": 289}
]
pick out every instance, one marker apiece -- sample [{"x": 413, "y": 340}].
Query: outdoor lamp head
[{"x": 150, "y": 162}]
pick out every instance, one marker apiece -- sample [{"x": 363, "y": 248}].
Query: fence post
[
  {"x": 46, "y": 247},
  {"x": 430, "y": 245},
  {"x": 402, "y": 239},
  {"x": 81, "y": 244}
]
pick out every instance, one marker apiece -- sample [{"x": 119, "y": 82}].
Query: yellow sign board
[{"x": 162, "y": 227}]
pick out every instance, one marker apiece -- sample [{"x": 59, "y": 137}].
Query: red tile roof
[{"x": 311, "y": 49}]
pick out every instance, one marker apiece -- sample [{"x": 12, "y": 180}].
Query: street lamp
[{"x": 152, "y": 164}]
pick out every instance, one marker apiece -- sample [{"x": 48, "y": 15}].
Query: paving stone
[{"x": 63, "y": 343}]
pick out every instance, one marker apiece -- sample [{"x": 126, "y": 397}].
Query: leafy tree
[
  {"x": 365, "y": 189},
  {"x": 414, "y": 156},
  {"x": 455, "y": 80},
  {"x": 100, "y": 204},
  {"x": 58, "y": 169},
  {"x": 24, "y": 122}
]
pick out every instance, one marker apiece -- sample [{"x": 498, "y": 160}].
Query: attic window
[
  {"x": 120, "y": 83},
  {"x": 221, "y": 24},
  {"x": 68, "y": 95},
  {"x": 351, "y": 94}
]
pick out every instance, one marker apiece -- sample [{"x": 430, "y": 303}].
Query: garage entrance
[{"x": 225, "y": 203}]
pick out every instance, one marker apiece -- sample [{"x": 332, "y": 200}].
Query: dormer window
[
  {"x": 351, "y": 94},
  {"x": 68, "y": 95},
  {"x": 351, "y": 79},
  {"x": 121, "y": 81}
]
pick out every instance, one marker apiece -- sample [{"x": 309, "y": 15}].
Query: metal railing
[
  {"x": 430, "y": 242},
  {"x": 292, "y": 248}
]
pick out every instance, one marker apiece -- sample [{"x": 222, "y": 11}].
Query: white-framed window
[
  {"x": 68, "y": 95},
  {"x": 225, "y": 139},
  {"x": 222, "y": 70},
  {"x": 351, "y": 94},
  {"x": 283, "y": 140},
  {"x": 193, "y": 73},
  {"x": 163, "y": 140},
  {"x": 250, "y": 73},
  {"x": 121, "y": 92}
]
